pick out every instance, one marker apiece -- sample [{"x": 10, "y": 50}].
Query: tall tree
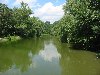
[
  {"x": 7, "y": 23},
  {"x": 21, "y": 16}
]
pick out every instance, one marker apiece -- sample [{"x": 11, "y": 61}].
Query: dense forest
[
  {"x": 80, "y": 25},
  {"x": 17, "y": 21}
]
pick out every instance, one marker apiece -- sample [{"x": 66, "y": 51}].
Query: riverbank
[{"x": 9, "y": 39}]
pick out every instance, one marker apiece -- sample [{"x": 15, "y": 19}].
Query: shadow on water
[{"x": 77, "y": 62}]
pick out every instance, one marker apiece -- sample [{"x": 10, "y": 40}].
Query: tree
[
  {"x": 21, "y": 16},
  {"x": 80, "y": 24},
  {"x": 47, "y": 27},
  {"x": 17, "y": 21},
  {"x": 7, "y": 23},
  {"x": 86, "y": 14}
]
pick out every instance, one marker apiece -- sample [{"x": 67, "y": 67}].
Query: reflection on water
[
  {"x": 46, "y": 56},
  {"x": 49, "y": 53},
  {"x": 29, "y": 62},
  {"x": 77, "y": 62},
  {"x": 46, "y": 62}
]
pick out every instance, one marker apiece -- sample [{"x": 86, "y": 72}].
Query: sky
[{"x": 46, "y": 10}]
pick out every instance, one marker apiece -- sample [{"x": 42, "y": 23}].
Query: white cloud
[{"x": 49, "y": 12}]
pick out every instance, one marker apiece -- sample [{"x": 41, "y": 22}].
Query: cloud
[
  {"x": 46, "y": 12},
  {"x": 49, "y": 12}
]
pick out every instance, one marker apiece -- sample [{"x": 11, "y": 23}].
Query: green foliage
[
  {"x": 6, "y": 19},
  {"x": 17, "y": 21},
  {"x": 47, "y": 27},
  {"x": 64, "y": 27},
  {"x": 80, "y": 24}
]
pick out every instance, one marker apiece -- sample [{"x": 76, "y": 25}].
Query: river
[{"x": 46, "y": 56}]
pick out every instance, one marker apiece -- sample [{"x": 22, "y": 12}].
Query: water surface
[{"x": 46, "y": 56}]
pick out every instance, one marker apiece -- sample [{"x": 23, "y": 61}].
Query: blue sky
[{"x": 46, "y": 10}]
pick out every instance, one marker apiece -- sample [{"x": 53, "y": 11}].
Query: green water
[{"x": 46, "y": 56}]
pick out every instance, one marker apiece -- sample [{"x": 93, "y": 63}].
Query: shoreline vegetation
[
  {"x": 79, "y": 26},
  {"x": 10, "y": 39}
]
